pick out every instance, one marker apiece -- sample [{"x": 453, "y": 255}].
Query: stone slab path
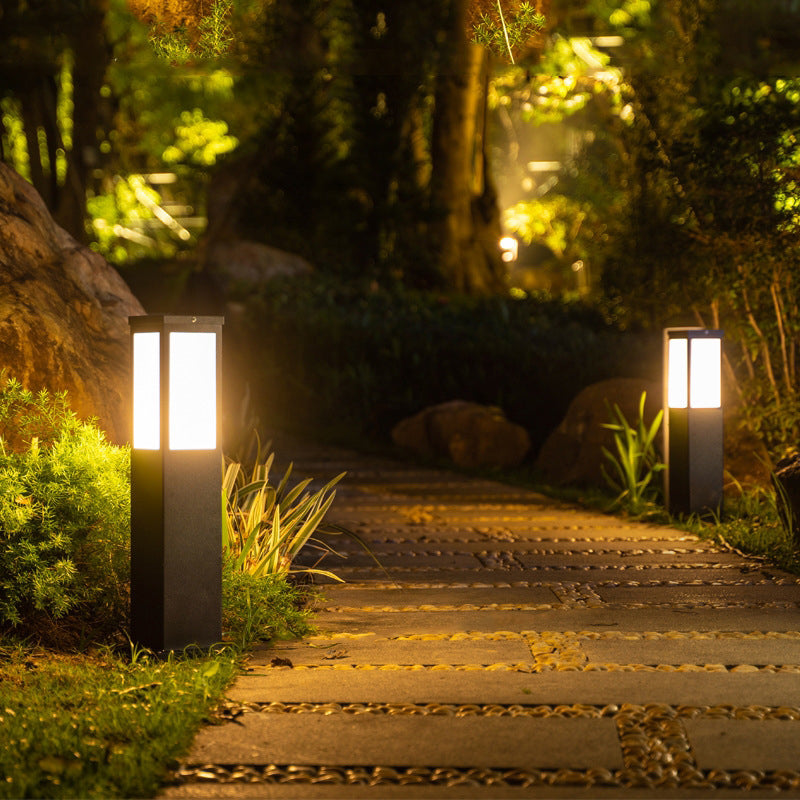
[{"x": 513, "y": 646}]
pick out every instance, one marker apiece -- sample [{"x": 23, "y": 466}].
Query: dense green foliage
[
  {"x": 64, "y": 514},
  {"x": 677, "y": 193},
  {"x": 353, "y": 360}
]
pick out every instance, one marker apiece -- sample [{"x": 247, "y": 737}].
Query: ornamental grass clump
[
  {"x": 64, "y": 517},
  {"x": 264, "y": 527},
  {"x": 635, "y": 462}
]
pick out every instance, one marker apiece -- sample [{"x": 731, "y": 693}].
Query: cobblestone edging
[{"x": 654, "y": 777}]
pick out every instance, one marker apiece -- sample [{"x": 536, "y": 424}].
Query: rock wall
[{"x": 63, "y": 311}]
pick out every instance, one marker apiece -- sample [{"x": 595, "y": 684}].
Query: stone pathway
[{"x": 513, "y": 646}]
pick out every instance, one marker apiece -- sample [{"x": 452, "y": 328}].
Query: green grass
[
  {"x": 80, "y": 726},
  {"x": 108, "y": 724},
  {"x": 751, "y": 525}
]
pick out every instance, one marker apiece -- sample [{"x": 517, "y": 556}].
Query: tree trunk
[
  {"x": 91, "y": 58},
  {"x": 466, "y": 221},
  {"x": 41, "y": 47}
]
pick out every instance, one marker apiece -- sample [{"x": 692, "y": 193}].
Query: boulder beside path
[
  {"x": 469, "y": 434},
  {"x": 63, "y": 311}
]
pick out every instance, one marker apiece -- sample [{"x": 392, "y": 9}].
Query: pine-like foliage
[{"x": 64, "y": 515}]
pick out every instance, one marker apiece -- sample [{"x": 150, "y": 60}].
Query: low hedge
[{"x": 349, "y": 361}]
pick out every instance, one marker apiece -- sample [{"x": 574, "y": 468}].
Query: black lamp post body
[
  {"x": 176, "y": 522},
  {"x": 693, "y": 443},
  {"x": 694, "y": 459}
]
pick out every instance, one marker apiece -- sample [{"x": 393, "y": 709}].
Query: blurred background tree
[
  {"x": 666, "y": 174},
  {"x": 360, "y": 126},
  {"x": 642, "y": 153},
  {"x": 53, "y": 62}
]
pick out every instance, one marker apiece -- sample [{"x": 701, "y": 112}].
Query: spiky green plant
[
  {"x": 635, "y": 461},
  {"x": 264, "y": 527}
]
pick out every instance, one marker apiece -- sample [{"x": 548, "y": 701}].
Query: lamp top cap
[
  {"x": 693, "y": 333},
  {"x": 146, "y": 322}
]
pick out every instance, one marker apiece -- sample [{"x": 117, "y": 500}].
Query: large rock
[
  {"x": 63, "y": 311},
  {"x": 573, "y": 453},
  {"x": 786, "y": 480},
  {"x": 250, "y": 265},
  {"x": 469, "y": 434}
]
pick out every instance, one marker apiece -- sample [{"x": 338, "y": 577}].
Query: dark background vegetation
[{"x": 644, "y": 153}]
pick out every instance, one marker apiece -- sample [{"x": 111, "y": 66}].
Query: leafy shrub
[{"x": 64, "y": 513}]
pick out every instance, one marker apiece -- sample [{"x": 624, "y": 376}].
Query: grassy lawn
[
  {"x": 106, "y": 723},
  {"x": 97, "y": 725}
]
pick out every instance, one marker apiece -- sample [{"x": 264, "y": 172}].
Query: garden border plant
[
  {"x": 64, "y": 559},
  {"x": 635, "y": 461}
]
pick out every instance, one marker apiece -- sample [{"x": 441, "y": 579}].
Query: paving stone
[
  {"x": 705, "y": 594},
  {"x": 378, "y": 650},
  {"x": 575, "y": 619},
  {"x": 745, "y": 744},
  {"x": 555, "y": 688},
  {"x": 366, "y": 739},
  {"x": 343, "y": 596},
  {"x": 677, "y": 651},
  {"x": 414, "y": 558}
]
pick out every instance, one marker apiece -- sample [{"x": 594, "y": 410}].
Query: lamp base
[
  {"x": 176, "y": 550},
  {"x": 695, "y": 460}
]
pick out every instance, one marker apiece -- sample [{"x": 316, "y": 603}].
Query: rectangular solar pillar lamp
[
  {"x": 693, "y": 430},
  {"x": 176, "y": 482}
]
